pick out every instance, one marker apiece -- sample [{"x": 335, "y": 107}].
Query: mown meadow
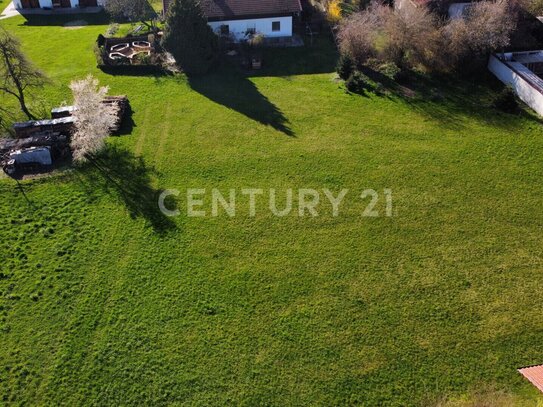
[{"x": 104, "y": 301}]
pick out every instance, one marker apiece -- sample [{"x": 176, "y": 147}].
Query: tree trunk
[
  {"x": 25, "y": 110},
  {"x": 150, "y": 25}
]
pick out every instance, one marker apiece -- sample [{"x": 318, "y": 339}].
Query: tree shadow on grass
[
  {"x": 121, "y": 174},
  {"x": 100, "y": 18},
  {"x": 447, "y": 99},
  {"x": 128, "y": 123},
  {"x": 319, "y": 57},
  {"x": 135, "y": 70},
  {"x": 237, "y": 92},
  {"x": 231, "y": 86}
]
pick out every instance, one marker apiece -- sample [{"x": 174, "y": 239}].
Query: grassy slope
[
  {"x": 99, "y": 306},
  {"x": 3, "y": 5}
]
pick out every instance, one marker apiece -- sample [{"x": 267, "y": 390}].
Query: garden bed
[{"x": 133, "y": 54}]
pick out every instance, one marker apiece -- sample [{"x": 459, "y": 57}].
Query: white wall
[
  {"x": 43, "y": 3},
  {"x": 525, "y": 91},
  {"x": 262, "y": 26},
  {"x": 49, "y": 3}
]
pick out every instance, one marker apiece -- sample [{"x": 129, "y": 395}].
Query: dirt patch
[{"x": 74, "y": 25}]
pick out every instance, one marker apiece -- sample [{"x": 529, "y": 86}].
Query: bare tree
[
  {"x": 93, "y": 119},
  {"x": 358, "y": 34},
  {"x": 411, "y": 36},
  {"x": 133, "y": 10},
  {"x": 17, "y": 74},
  {"x": 534, "y": 7},
  {"x": 415, "y": 37},
  {"x": 491, "y": 24},
  {"x": 405, "y": 36},
  {"x": 487, "y": 27}
]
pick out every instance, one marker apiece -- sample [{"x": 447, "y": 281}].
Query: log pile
[
  {"x": 121, "y": 105},
  {"x": 62, "y": 125},
  {"x": 55, "y": 133}
]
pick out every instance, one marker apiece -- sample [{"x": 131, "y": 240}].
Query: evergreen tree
[{"x": 188, "y": 37}]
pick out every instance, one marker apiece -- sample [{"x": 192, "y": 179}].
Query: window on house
[
  {"x": 276, "y": 25},
  {"x": 225, "y": 29},
  {"x": 251, "y": 30}
]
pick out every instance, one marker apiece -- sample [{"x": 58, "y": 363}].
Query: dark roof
[
  {"x": 223, "y": 9},
  {"x": 237, "y": 8}
]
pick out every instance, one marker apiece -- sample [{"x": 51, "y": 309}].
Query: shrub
[
  {"x": 414, "y": 37},
  {"x": 379, "y": 89},
  {"x": 358, "y": 34},
  {"x": 255, "y": 40},
  {"x": 373, "y": 63},
  {"x": 357, "y": 82},
  {"x": 141, "y": 59},
  {"x": 506, "y": 101},
  {"x": 345, "y": 67},
  {"x": 390, "y": 70},
  {"x": 487, "y": 27},
  {"x": 535, "y": 7},
  {"x": 112, "y": 29},
  {"x": 100, "y": 53}
]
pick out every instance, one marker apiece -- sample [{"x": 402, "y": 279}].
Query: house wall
[
  {"x": 525, "y": 83},
  {"x": 49, "y": 3},
  {"x": 262, "y": 25}
]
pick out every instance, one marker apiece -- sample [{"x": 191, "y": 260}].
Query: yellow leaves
[{"x": 334, "y": 11}]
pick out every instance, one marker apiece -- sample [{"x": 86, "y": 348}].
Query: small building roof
[
  {"x": 534, "y": 374},
  {"x": 528, "y": 57},
  {"x": 235, "y": 9}
]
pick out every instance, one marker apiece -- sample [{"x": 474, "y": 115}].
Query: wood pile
[
  {"x": 55, "y": 133},
  {"x": 121, "y": 105},
  {"x": 62, "y": 125}
]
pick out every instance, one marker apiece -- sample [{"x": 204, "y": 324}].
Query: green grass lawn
[
  {"x": 104, "y": 302},
  {"x": 3, "y": 5}
]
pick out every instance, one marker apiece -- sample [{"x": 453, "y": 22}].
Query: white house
[
  {"x": 56, "y": 4},
  {"x": 238, "y": 18}
]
